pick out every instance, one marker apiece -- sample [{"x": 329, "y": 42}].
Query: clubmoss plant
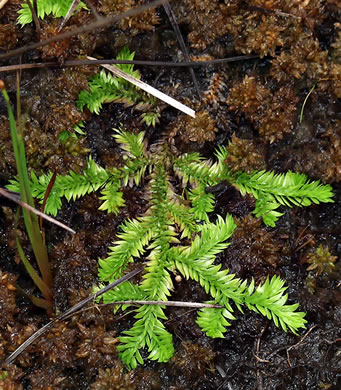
[{"x": 176, "y": 234}]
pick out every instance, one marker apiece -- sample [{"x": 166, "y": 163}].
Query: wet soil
[{"x": 253, "y": 104}]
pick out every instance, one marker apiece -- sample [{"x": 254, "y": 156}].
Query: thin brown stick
[
  {"x": 12, "y": 68},
  {"x": 105, "y": 22},
  {"x": 172, "y": 18},
  {"x": 34, "y": 16},
  {"x": 165, "y": 303},
  {"x": 299, "y": 343},
  {"x": 9, "y": 195}
]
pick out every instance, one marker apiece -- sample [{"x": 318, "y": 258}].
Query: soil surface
[{"x": 279, "y": 110}]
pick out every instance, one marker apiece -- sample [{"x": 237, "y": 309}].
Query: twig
[
  {"x": 176, "y": 28},
  {"x": 149, "y": 89},
  {"x": 259, "y": 374},
  {"x": 165, "y": 303},
  {"x": 34, "y": 16},
  {"x": 68, "y": 312},
  {"x": 12, "y": 68},
  {"x": 105, "y": 22},
  {"x": 299, "y": 343},
  {"x": 9, "y": 195}
]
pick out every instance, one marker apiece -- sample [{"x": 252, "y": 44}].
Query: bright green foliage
[
  {"x": 287, "y": 189},
  {"x": 175, "y": 234},
  {"x": 104, "y": 87},
  {"x": 58, "y": 8},
  {"x": 75, "y": 185},
  {"x": 269, "y": 300}
]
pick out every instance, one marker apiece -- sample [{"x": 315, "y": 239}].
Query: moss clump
[
  {"x": 114, "y": 379},
  {"x": 133, "y": 25},
  {"x": 320, "y": 261},
  {"x": 244, "y": 155},
  {"x": 272, "y": 113},
  {"x": 254, "y": 250},
  {"x": 198, "y": 130},
  {"x": 8, "y": 36}
]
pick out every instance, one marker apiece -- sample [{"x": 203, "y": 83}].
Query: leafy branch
[{"x": 106, "y": 88}]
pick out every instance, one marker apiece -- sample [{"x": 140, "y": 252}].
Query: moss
[
  {"x": 253, "y": 250},
  {"x": 8, "y": 305},
  {"x": 10, "y": 378},
  {"x": 188, "y": 371},
  {"x": 8, "y": 36},
  {"x": 245, "y": 155},
  {"x": 320, "y": 261},
  {"x": 207, "y": 21},
  {"x": 321, "y": 157},
  {"x": 272, "y": 113},
  {"x": 214, "y": 94},
  {"x": 114, "y": 378},
  {"x": 197, "y": 130},
  {"x": 132, "y": 25}
]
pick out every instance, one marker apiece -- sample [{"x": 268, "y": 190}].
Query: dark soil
[{"x": 255, "y": 104}]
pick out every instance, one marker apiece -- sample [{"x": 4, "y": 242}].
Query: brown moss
[
  {"x": 57, "y": 345},
  {"x": 272, "y": 113},
  {"x": 334, "y": 77},
  {"x": 98, "y": 346},
  {"x": 305, "y": 57},
  {"x": 8, "y": 307},
  {"x": 189, "y": 370},
  {"x": 44, "y": 149},
  {"x": 59, "y": 50},
  {"x": 259, "y": 26},
  {"x": 79, "y": 45},
  {"x": 261, "y": 33},
  {"x": 320, "y": 261},
  {"x": 253, "y": 250},
  {"x": 207, "y": 21},
  {"x": 215, "y": 92},
  {"x": 266, "y": 25},
  {"x": 16, "y": 336},
  {"x": 114, "y": 378},
  {"x": 7, "y": 160},
  {"x": 279, "y": 117},
  {"x": 70, "y": 81},
  {"x": 248, "y": 97},
  {"x": 135, "y": 24},
  {"x": 323, "y": 159},
  {"x": 67, "y": 346},
  {"x": 10, "y": 378},
  {"x": 9, "y": 13},
  {"x": 244, "y": 155},
  {"x": 199, "y": 130},
  {"x": 73, "y": 267},
  {"x": 8, "y": 36}
]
